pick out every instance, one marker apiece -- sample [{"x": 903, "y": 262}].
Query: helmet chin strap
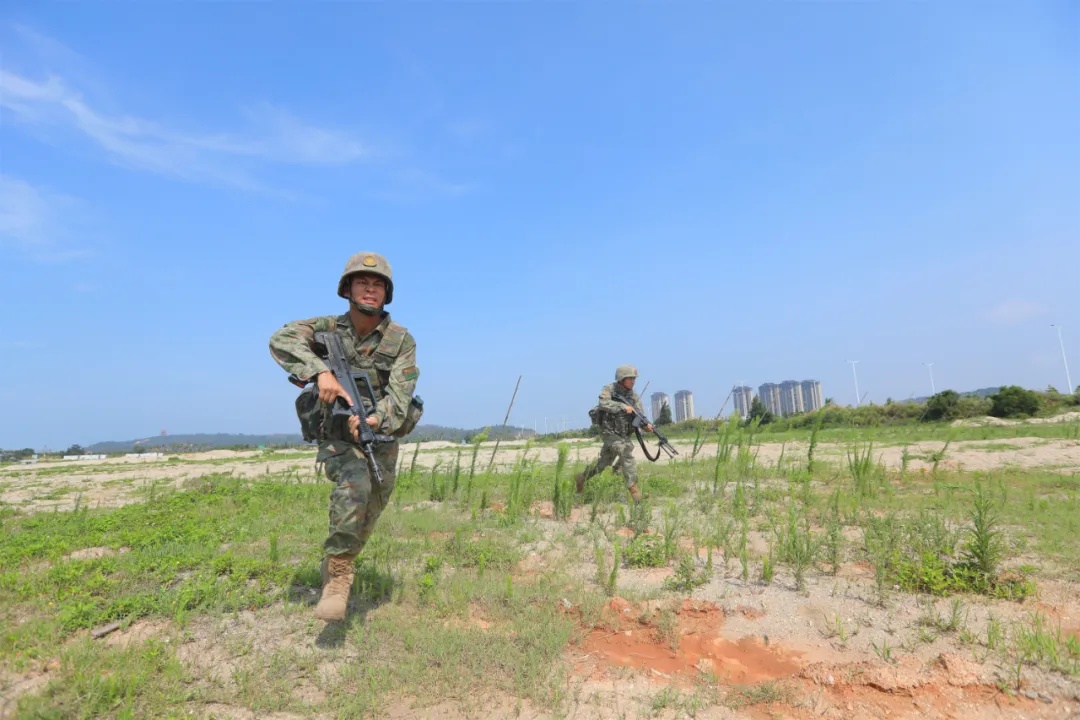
[{"x": 369, "y": 310}]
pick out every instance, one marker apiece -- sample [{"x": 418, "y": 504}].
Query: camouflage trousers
[
  {"x": 620, "y": 450},
  {"x": 355, "y": 501}
]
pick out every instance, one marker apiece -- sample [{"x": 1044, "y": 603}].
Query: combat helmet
[
  {"x": 366, "y": 262},
  {"x": 625, "y": 371}
]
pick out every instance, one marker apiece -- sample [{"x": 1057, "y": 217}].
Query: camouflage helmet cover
[
  {"x": 366, "y": 262},
  {"x": 625, "y": 371}
]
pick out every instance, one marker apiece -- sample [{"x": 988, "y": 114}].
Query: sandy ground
[
  {"x": 821, "y": 648},
  {"x": 832, "y": 649},
  {"x": 64, "y": 485}
]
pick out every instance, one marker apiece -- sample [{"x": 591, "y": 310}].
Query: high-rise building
[
  {"x": 659, "y": 400},
  {"x": 791, "y": 399},
  {"x": 811, "y": 394},
  {"x": 684, "y": 405},
  {"x": 743, "y": 397},
  {"x": 770, "y": 397}
]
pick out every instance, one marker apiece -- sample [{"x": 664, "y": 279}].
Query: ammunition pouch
[
  {"x": 314, "y": 416},
  {"x": 310, "y": 413},
  {"x": 412, "y": 417},
  {"x": 613, "y": 422}
]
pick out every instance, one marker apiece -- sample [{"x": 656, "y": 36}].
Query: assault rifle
[
  {"x": 328, "y": 346},
  {"x": 639, "y": 423}
]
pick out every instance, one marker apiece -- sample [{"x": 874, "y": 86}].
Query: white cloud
[
  {"x": 38, "y": 221},
  {"x": 22, "y": 212},
  {"x": 55, "y": 93},
  {"x": 1014, "y": 311},
  {"x": 288, "y": 139},
  {"x": 216, "y": 158}
]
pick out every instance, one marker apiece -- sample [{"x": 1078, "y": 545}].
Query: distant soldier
[
  {"x": 387, "y": 352},
  {"x": 614, "y": 415}
]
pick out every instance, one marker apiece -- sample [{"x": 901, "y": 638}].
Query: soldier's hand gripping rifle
[
  {"x": 639, "y": 423},
  {"x": 328, "y": 346}
]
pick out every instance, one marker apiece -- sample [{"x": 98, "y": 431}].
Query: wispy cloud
[
  {"x": 22, "y": 344},
  {"x": 1014, "y": 311},
  {"x": 51, "y": 92},
  {"x": 219, "y": 158},
  {"x": 38, "y": 222},
  {"x": 425, "y": 181},
  {"x": 22, "y": 210}
]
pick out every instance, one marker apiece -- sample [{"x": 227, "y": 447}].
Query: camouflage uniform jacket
[
  {"x": 387, "y": 353},
  {"x": 611, "y": 412}
]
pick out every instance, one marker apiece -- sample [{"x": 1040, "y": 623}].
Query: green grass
[
  {"x": 227, "y": 545},
  {"x": 444, "y": 613},
  {"x": 920, "y": 432}
]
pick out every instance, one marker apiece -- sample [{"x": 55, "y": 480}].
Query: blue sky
[{"x": 717, "y": 193}]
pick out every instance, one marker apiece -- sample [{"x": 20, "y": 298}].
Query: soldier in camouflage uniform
[
  {"x": 387, "y": 351},
  {"x": 614, "y": 414}
]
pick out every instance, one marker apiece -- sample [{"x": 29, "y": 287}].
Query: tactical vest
[
  {"x": 377, "y": 361},
  {"x": 616, "y": 422}
]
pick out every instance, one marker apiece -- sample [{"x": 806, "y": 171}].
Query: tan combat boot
[
  {"x": 635, "y": 493},
  {"x": 337, "y": 581}
]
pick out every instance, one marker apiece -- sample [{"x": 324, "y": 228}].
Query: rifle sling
[
  {"x": 641, "y": 442},
  {"x": 637, "y": 431}
]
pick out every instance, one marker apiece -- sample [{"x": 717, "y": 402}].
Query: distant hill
[
  {"x": 981, "y": 392},
  {"x": 207, "y": 441},
  {"x": 196, "y": 441}
]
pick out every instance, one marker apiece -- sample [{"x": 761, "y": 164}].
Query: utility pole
[
  {"x": 856, "y": 376},
  {"x": 1069, "y": 389},
  {"x": 930, "y": 367}
]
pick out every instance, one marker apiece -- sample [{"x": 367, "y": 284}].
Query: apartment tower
[
  {"x": 743, "y": 397},
  {"x": 791, "y": 398},
  {"x": 684, "y": 405},
  {"x": 811, "y": 394},
  {"x": 770, "y": 397},
  {"x": 658, "y": 401}
]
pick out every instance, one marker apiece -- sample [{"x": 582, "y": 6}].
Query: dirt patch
[
  {"x": 949, "y": 687},
  {"x": 681, "y": 644},
  {"x": 546, "y": 510},
  {"x": 488, "y": 706},
  {"x": 15, "y": 685},
  {"x": 750, "y": 613},
  {"x": 138, "y": 632},
  {"x": 64, "y": 485},
  {"x": 1001, "y": 422},
  {"x": 221, "y": 710},
  {"x": 931, "y": 701},
  {"x": 95, "y": 553}
]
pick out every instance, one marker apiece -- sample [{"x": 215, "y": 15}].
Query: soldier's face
[
  {"x": 368, "y": 290},
  {"x": 628, "y": 383}
]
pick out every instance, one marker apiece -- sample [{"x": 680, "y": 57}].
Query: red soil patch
[
  {"x": 927, "y": 701},
  {"x": 750, "y": 613},
  {"x": 681, "y": 644},
  {"x": 681, "y": 648},
  {"x": 951, "y": 686},
  {"x": 546, "y": 510}
]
